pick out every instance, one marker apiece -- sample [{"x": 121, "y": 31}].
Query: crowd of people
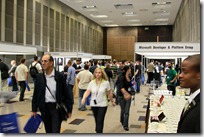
[{"x": 96, "y": 80}]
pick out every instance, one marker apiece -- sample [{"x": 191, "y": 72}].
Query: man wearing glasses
[{"x": 49, "y": 91}]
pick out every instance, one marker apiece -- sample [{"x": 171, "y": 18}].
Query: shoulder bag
[{"x": 63, "y": 112}]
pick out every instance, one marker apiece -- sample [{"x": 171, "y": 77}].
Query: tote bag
[
  {"x": 9, "y": 123},
  {"x": 32, "y": 124},
  {"x": 10, "y": 81}
]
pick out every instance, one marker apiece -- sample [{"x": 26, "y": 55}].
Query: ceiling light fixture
[
  {"x": 98, "y": 16},
  {"x": 133, "y": 20},
  {"x": 129, "y": 14},
  {"x": 123, "y": 6},
  {"x": 111, "y": 25},
  {"x": 88, "y": 7},
  {"x": 135, "y": 24}
]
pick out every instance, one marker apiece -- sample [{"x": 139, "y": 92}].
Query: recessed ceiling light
[
  {"x": 161, "y": 19},
  {"x": 133, "y": 20},
  {"x": 161, "y": 12},
  {"x": 161, "y": 4},
  {"x": 111, "y": 25},
  {"x": 135, "y": 24},
  {"x": 98, "y": 16},
  {"x": 163, "y": 23},
  {"x": 129, "y": 14},
  {"x": 123, "y": 6},
  {"x": 89, "y": 7}
]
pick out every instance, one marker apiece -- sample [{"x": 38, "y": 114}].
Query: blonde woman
[{"x": 99, "y": 88}]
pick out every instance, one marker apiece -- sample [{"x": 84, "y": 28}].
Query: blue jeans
[
  {"x": 81, "y": 93},
  {"x": 138, "y": 81},
  {"x": 125, "y": 109}
]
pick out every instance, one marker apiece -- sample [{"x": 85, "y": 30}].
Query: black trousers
[
  {"x": 22, "y": 89},
  {"x": 150, "y": 77},
  {"x": 99, "y": 115},
  {"x": 51, "y": 118},
  {"x": 172, "y": 88}
]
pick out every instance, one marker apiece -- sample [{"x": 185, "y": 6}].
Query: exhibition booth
[
  {"x": 102, "y": 57},
  {"x": 165, "y": 50},
  {"x": 61, "y": 58},
  {"x": 15, "y": 49},
  {"x": 164, "y": 109}
]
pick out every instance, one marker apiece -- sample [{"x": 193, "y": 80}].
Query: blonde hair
[{"x": 104, "y": 76}]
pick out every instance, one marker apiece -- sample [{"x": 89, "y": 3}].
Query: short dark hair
[
  {"x": 23, "y": 60},
  {"x": 35, "y": 58},
  {"x": 86, "y": 66},
  {"x": 51, "y": 59},
  {"x": 195, "y": 59}
]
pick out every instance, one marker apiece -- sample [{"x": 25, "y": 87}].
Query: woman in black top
[{"x": 124, "y": 83}]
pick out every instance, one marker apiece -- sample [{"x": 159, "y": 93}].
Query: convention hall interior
[{"x": 123, "y": 31}]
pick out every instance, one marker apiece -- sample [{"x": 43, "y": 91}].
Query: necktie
[{"x": 186, "y": 106}]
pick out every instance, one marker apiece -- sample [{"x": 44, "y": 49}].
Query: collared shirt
[
  {"x": 71, "y": 75},
  {"x": 21, "y": 71},
  {"x": 51, "y": 83},
  {"x": 98, "y": 93},
  {"x": 192, "y": 96}
]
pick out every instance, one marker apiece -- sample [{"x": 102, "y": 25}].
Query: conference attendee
[
  {"x": 99, "y": 88},
  {"x": 4, "y": 76},
  {"x": 21, "y": 75},
  {"x": 190, "y": 77},
  {"x": 150, "y": 69},
  {"x": 50, "y": 90},
  {"x": 137, "y": 75},
  {"x": 84, "y": 77},
  {"x": 12, "y": 75},
  {"x": 38, "y": 67},
  {"x": 95, "y": 65},
  {"x": 70, "y": 81},
  {"x": 124, "y": 96},
  {"x": 171, "y": 77}
]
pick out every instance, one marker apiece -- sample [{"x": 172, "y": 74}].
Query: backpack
[{"x": 33, "y": 71}]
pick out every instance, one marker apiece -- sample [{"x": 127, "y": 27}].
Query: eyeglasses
[{"x": 45, "y": 61}]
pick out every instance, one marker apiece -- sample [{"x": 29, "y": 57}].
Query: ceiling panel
[{"x": 127, "y": 12}]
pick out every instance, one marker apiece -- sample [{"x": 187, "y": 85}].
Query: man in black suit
[
  {"x": 50, "y": 90},
  {"x": 190, "y": 78}
]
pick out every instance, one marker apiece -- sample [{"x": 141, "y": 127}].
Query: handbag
[
  {"x": 27, "y": 86},
  {"x": 63, "y": 112},
  {"x": 10, "y": 81},
  {"x": 33, "y": 124},
  {"x": 9, "y": 123}
]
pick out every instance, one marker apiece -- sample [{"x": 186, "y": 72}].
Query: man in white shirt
[
  {"x": 49, "y": 92},
  {"x": 190, "y": 78},
  {"x": 84, "y": 77},
  {"x": 21, "y": 75}
]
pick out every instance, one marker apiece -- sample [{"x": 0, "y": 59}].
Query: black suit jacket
[
  {"x": 62, "y": 93},
  {"x": 190, "y": 120}
]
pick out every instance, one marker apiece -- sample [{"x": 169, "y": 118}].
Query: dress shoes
[{"x": 126, "y": 128}]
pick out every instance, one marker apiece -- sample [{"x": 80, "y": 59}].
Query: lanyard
[{"x": 98, "y": 88}]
